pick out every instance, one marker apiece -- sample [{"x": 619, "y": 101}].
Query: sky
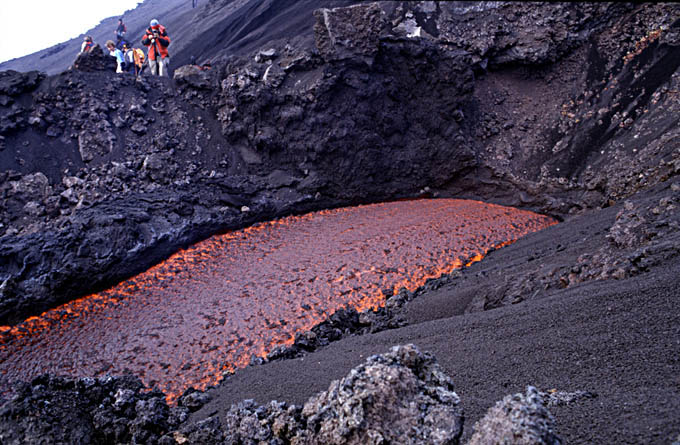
[{"x": 27, "y": 26}]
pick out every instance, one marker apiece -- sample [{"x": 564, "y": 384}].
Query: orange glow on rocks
[{"x": 207, "y": 309}]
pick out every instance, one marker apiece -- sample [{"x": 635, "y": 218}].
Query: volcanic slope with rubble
[{"x": 565, "y": 109}]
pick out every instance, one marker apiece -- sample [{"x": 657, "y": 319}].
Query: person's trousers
[{"x": 159, "y": 67}]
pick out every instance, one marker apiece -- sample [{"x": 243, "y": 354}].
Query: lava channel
[{"x": 207, "y": 309}]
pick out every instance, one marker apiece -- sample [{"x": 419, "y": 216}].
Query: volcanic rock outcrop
[{"x": 94, "y": 60}]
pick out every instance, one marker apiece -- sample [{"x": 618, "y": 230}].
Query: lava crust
[{"x": 209, "y": 308}]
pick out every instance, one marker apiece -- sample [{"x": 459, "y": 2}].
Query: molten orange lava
[{"x": 207, "y": 309}]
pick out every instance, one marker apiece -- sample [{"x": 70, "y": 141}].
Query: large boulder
[
  {"x": 350, "y": 32},
  {"x": 398, "y": 397},
  {"x": 95, "y": 140},
  {"x": 35, "y": 187},
  {"x": 519, "y": 419},
  {"x": 193, "y": 75},
  {"x": 13, "y": 83},
  {"x": 94, "y": 60}
]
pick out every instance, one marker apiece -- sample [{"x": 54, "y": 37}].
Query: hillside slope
[
  {"x": 213, "y": 30},
  {"x": 59, "y": 57}
]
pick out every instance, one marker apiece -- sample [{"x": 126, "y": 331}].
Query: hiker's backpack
[{"x": 139, "y": 57}]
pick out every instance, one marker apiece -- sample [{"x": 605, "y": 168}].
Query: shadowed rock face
[{"x": 105, "y": 410}]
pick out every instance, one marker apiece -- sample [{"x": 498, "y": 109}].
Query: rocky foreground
[
  {"x": 565, "y": 109},
  {"x": 398, "y": 397}
]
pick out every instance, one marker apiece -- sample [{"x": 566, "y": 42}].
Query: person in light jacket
[{"x": 118, "y": 54}]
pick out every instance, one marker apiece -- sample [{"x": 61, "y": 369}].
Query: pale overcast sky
[{"x": 27, "y": 26}]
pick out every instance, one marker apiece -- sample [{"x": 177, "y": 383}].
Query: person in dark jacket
[
  {"x": 157, "y": 40},
  {"x": 129, "y": 55},
  {"x": 120, "y": 34}
]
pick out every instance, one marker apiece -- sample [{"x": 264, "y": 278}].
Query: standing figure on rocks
[
  {"x": 139, "y": 61},
  {"x": 194, "y": 3},
  {"x": 118, "y": 54},
  {"x": 129, "y": 54},
  {"x": 87, "y": 45},
  {"x": 120, "y": 33},
  {"x": 157, "y": 39}
]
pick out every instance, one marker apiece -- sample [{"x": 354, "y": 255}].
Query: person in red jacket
[{"x": 157, "y": 39}]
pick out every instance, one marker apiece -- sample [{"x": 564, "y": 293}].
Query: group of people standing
[{"x": 133, "y": 60}]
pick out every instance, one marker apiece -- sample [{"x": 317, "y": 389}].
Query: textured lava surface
[{"x": 207, "y": 309}]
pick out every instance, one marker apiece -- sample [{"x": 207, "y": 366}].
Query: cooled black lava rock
[
  {"x": 103, "y": 410},
  {"x": 95, "y": 60}
]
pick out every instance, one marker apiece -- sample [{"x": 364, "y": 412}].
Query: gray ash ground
[{"x": 565, "y": 109}]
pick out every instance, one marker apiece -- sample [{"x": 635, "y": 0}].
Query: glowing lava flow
[{"x": 208, "y": 308}]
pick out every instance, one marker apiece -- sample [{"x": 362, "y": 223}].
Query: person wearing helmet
[
  {"x": 87, "y": 45},
  {"x": 157, "y": 40}
]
